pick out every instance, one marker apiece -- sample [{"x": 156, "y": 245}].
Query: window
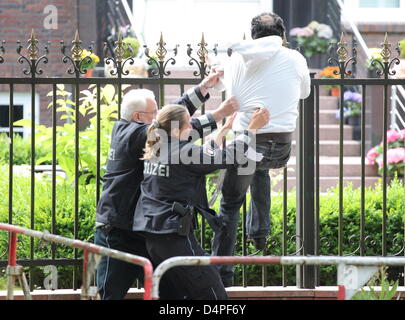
[
  {"x": 381, "y": 11},
  {"x": 4, "y": 118},
  {"x": 379, "y": 3},
  {"x": 22, "y": 110}
]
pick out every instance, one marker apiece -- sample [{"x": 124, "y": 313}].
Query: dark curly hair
[{"x": 267, "y": 24}]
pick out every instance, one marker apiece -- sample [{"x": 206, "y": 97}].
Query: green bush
[
  {"x": 66, "y": 133},
  {"x": 329, "y": 219},
  {"x": 329, "y": 213},
  {"x": 43, "y": 218},
  {"x": 21, "y": 150}
]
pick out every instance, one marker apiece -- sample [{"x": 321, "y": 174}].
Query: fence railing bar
[
  {"x": 363, "y": 171},
  {"x": 385, "y": 166},
  {"x": 188, "y": 81},
  {"x": 11, "y": 155},
  {"x": 54, "y": 107},
  {"x": 244, "y": 246},
  {"x": 76, "y": 169},
  {"x": 272, "y": 260},
  {"x": 285, "y": 223},
  {"x": 32, "y": 209},
  {"x": 98, "y": 143},
  {"x": 317, "y": 183},
  {"x": 77, "y": 244}
]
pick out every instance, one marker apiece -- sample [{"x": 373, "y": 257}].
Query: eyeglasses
[{"x": 153, "y": 112}]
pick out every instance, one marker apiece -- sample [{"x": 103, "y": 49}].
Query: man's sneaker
[
  {"x": 259, "y": 243},
  {"x": 227, "y": 282}
]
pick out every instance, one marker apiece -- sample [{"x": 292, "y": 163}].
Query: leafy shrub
[
  {"x": 388, "y": 288},
  {"x": 329, "y": 217},
  {"x": 43, "y": 221},
  {"x": 21, "y": 150},
  {"x": 65, "y": 133}
]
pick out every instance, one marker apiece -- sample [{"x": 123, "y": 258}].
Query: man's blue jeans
[{"x": 275, "y": 155}]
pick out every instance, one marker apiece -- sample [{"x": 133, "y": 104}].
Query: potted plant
[
  {"x": 395, "y": 154},
  {"x": 314, "y": 39},
  {"x": 328, "y": 73},
  {"x": 400, "y": 69},
  {"x": 131, "y": 47},
  {"x": 134, "y": 67},
  {"x": 153, "y": 66},
  {"x": 375, "y": 55},
  {"x": 352, "y": 112},
  {"x": 90, "y": 60}
]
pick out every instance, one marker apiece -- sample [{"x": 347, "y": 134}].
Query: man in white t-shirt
[{"x": 260, "y": 73}]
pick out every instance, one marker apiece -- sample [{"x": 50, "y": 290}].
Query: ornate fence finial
[
  {"x": 2, "y": 51},
  {"x": 343, "y": 60},
  {"x": 33, "y": 60},
  {"x": 384, "y": 67},
  {"x": 386, "y": 51},
  {"x": 161, "y": 55},
  {"x": 202, "y": 52},
  {"x": 161, "y": 51},
  {"x": 76, "y": 48},
  {"x": 342, "y": 51},
  {"x": 32, "y": 47},
  {"x": 78, "y": 63},
  {"x": 119, "y": 48}
]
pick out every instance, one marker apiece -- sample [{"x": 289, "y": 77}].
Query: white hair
[{"x": 133, "y": 101}]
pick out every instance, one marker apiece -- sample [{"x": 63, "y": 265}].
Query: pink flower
[
  {"x": 294, "y": 32},
  {"x": 396, "y": 155},
  {"x": 306, "y": 32},
  {"x": 393, "y": 135},
  {"x": 402, "y": 134},
  {"x": 371, "y": 155},
  {"x": 301, "y": 32},
  {"x": 380, "y": 162}
]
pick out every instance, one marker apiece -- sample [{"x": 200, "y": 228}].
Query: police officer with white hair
[{"x": 115, "y": 209}]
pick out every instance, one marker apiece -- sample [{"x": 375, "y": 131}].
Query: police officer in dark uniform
[
  {"x": 174, "y": 168},
  {"x": 124, "y": 174}
]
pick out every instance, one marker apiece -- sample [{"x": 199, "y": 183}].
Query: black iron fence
[{"x": 300, "y": 225}]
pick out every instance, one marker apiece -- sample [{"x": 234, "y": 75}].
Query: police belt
[
  {"x": 187, "y": 217},
  {"x": 279, "y": 137}
]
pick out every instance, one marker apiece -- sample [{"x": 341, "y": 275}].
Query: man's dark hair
[{"x": 267, "y": 24}]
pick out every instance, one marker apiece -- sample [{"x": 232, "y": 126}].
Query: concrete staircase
[{"x": 329, "y": 142}]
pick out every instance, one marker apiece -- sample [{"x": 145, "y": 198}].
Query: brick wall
[
  {"x": 374, "y": 34},
  {"x": 19, "y": 17}
]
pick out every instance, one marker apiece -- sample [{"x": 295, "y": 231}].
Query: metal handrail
[
  {"x": 345, "y": 281},
  {"x": 398, "y": 89},
  {"x": 89, "y": 249},
  {"x": 131, "y": 19}
]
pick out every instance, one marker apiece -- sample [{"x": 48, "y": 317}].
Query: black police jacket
[
  {"x": 178, "y": 175},
  {"x": 125, "y": 169}
]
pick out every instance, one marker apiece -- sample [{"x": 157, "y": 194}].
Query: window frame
[
  {"x": 375, "y": 14},
  {"x": 24, "y": 99}
]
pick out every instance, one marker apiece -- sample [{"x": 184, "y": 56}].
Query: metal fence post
[{"x": 306, "y": 194}]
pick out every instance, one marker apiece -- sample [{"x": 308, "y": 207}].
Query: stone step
[
  {"x": 329, "y": 167},
  {"x": 326, "y": 183},
  {"x": 331, "y": 148},
  {"x": 328, "y": 117},
  {"x": 328, "y": 103},
  {"x": 332, "y": 132}
]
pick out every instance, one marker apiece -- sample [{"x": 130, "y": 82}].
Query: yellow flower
[
  {"x": 94, "y": 59},
  {"x": 328, "y": 72}
]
